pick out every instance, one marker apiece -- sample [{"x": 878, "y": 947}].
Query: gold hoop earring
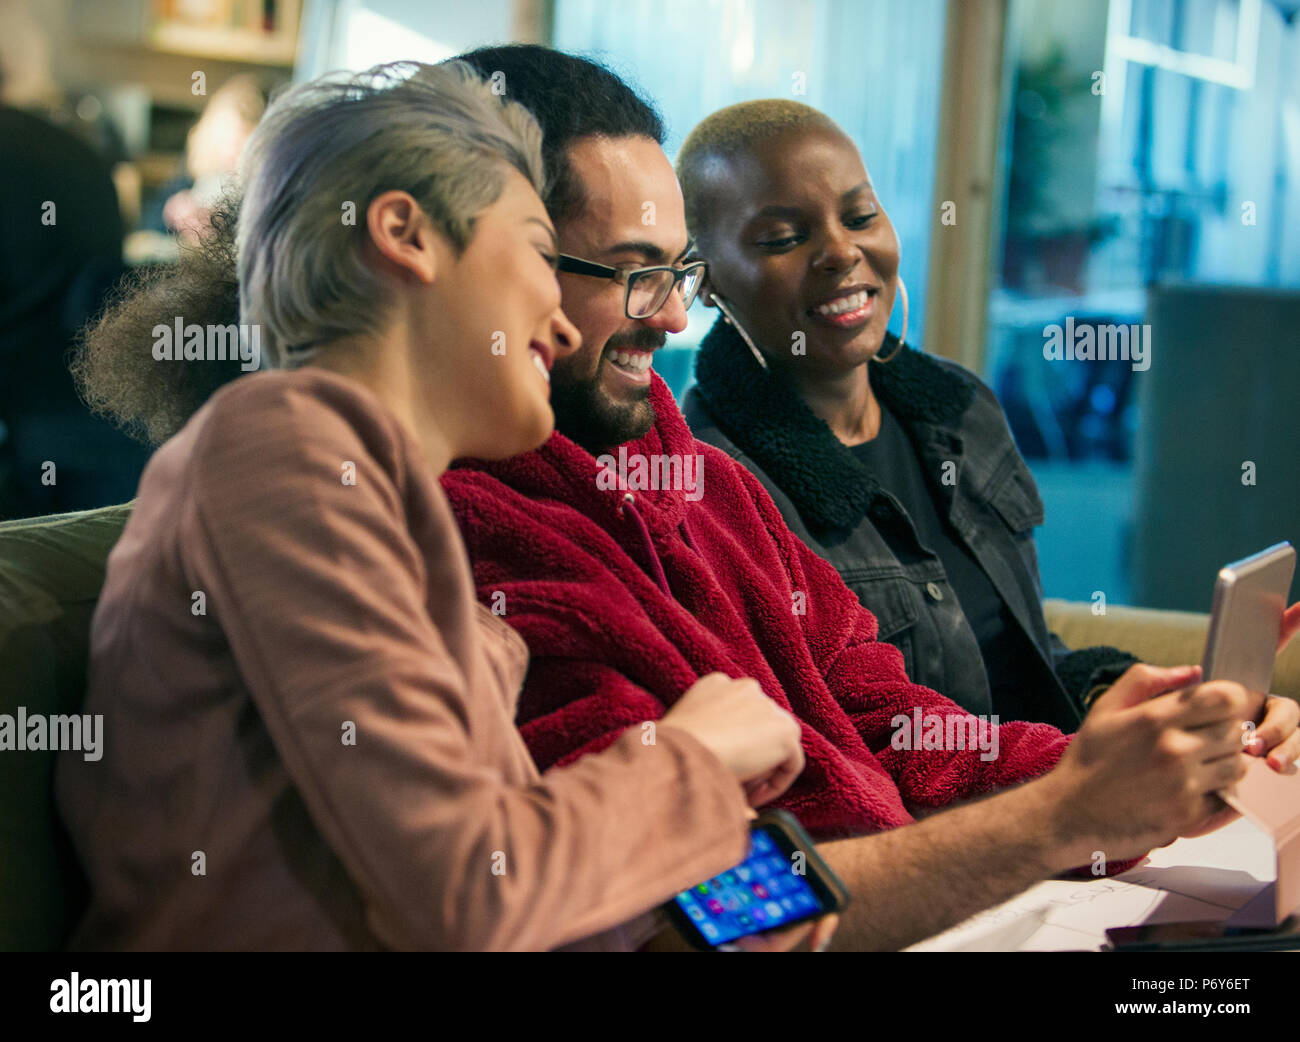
[{"x": 902, "y": 337}]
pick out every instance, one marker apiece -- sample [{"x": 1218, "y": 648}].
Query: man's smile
[{"x": 630, "y": 364}]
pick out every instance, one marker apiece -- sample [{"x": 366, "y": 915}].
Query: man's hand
[{"x": 1148, "y": 760}]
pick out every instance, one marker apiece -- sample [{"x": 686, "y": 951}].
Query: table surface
[{"x": 1207, "y": 878}]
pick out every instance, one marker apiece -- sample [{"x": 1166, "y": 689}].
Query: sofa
[{"x": 51, "y": 571}]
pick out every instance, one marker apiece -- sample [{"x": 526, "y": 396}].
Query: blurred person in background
[
  {"x": 27, "y": 82},
  {"x": 60, "y": 254},
  {"x": 211, "y": 156}
]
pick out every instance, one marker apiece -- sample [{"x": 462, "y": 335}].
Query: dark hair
[
  {"x": 114, "y": 367},
  {"x": 570, "y": 97}
]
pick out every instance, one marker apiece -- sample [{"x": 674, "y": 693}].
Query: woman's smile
[
  {"x": 848, "y": 308},
  {"x": 543, "y": 359}
]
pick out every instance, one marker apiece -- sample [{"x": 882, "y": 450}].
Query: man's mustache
[{"x": 638, "y": 339}]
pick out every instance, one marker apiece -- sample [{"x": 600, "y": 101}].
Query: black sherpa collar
[{"x": 829, "y": 485}]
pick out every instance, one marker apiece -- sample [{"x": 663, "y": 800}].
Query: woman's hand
[
  {"x": 1290, "y": 626},
  {"x": 755, "y": 738},
  {"x": 818, "y": 933},
  {"x": 1276, "y": 735}
]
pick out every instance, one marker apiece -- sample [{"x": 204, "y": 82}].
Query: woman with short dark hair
[{"x": 895, "y": 466}]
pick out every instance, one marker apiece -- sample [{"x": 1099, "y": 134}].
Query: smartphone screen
[{"x": 761, "y": 893}]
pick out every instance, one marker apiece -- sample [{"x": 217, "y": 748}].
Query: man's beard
[{"x": 584, "y": 412}]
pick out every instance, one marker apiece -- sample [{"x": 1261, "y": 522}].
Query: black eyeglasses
[{"x": 648, "y": 289}]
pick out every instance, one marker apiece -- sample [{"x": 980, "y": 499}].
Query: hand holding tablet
[{"x": 1249, "y": 625}]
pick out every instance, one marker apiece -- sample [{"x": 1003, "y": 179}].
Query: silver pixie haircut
[{"x": 436, "y": 131}]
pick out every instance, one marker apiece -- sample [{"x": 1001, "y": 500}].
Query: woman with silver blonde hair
[{"x": 308, "y": 718}]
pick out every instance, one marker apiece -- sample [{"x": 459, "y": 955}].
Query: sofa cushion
[{"x": 51, "y": 571}]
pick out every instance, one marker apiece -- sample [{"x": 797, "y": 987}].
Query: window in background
[
  {"x": 356, "y": 34},
  {"x": 373, "y": 38},
  {"x": 1147, "y": 141},
  {"x": 873, "y": 67}
]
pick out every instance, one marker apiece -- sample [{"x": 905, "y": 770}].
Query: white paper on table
[{"x": 1193, "y": 879}]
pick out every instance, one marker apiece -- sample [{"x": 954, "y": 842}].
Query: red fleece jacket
[{"x": 625, "y": 600}]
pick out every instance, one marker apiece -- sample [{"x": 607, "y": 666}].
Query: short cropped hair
[
  {"x": 572, "y": 98},
  {"x": 324, "y": 151},
  {"x": 726, "y": 134}
]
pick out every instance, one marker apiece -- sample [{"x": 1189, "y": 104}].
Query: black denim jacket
[{"x": 830, "y": 499}]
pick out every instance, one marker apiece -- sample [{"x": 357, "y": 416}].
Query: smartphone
[
  {"x": 1249, "y": 599},
  {"x": 1207, "y": 936},
  {"x": 783, "y": 881}
]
